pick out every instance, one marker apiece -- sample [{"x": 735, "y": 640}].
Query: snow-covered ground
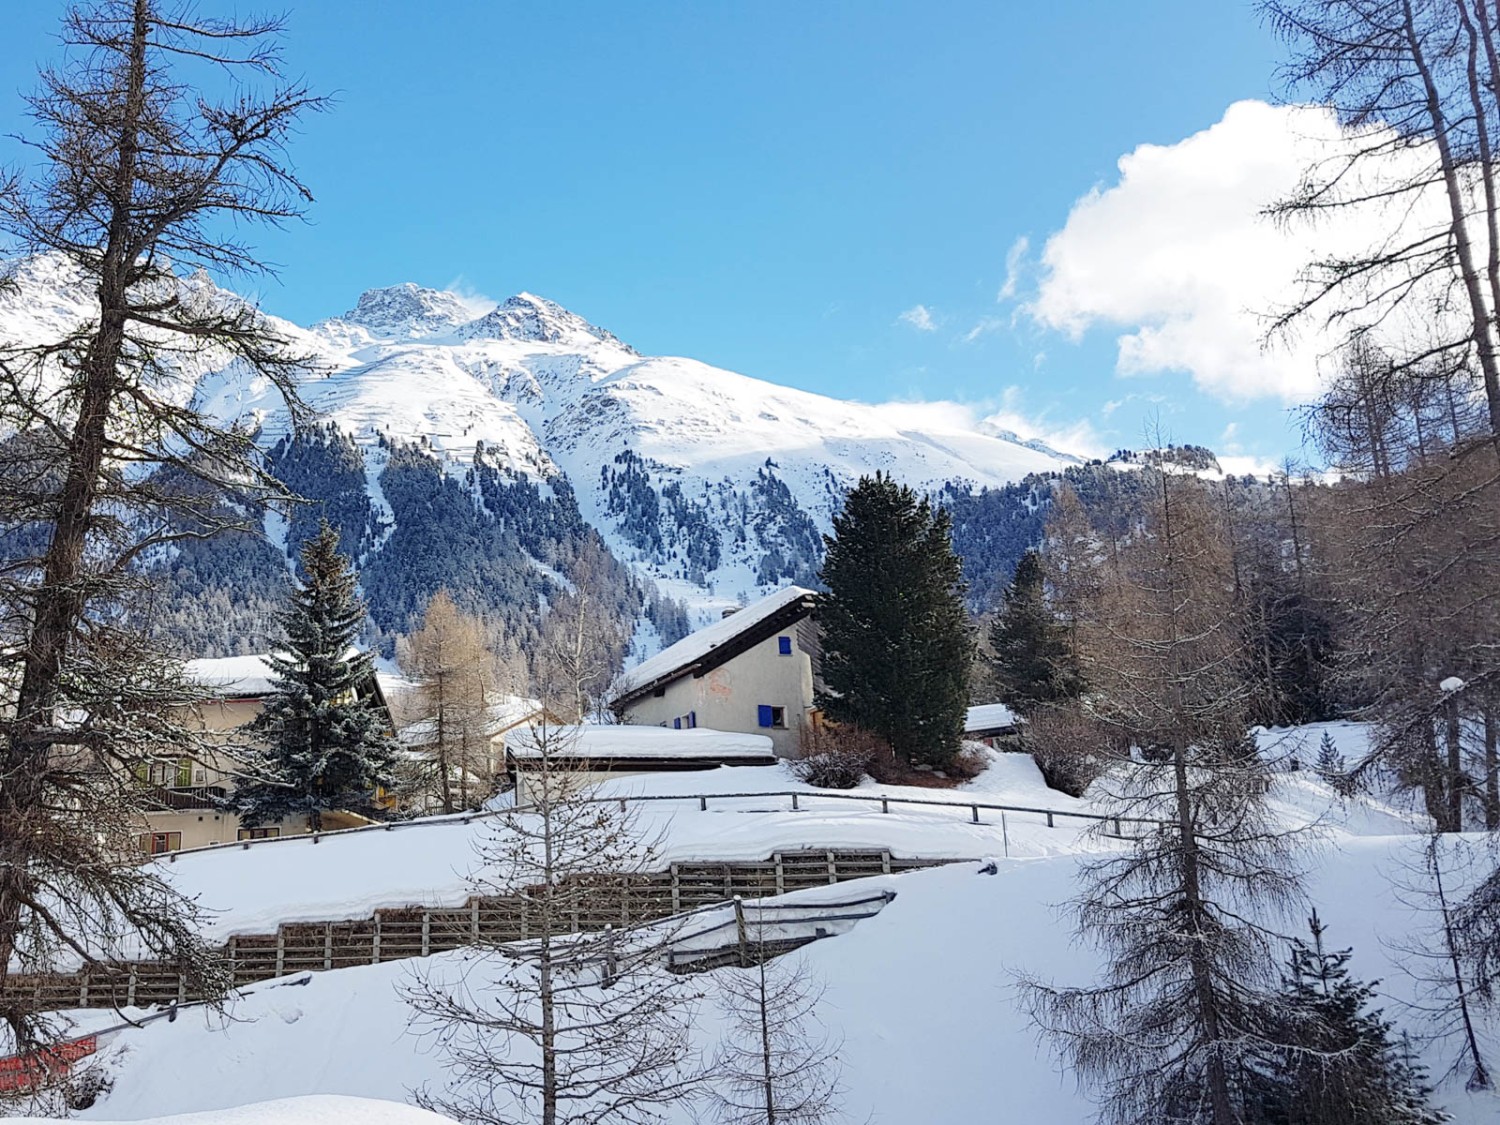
[
  {"x": 923, "y": 994},
  {"x": 427, "y": 862},
  {"x": 317, "y": 1109}
]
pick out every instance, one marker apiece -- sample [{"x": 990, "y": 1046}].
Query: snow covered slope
[
  {"x": 711, "y": 482},
  {"x": 922, "y": 996}
]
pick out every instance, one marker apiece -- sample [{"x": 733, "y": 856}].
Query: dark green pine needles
[
  {"x": 897, "y": 647},
  {"x": 326, "y": 741},
  {"x": 1033, "y": 662}
]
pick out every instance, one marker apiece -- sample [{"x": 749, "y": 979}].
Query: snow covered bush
[{"x": 836, "y": 757}]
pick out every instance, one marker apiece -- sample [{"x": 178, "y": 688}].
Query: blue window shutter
[
  {"x": 692, "y": 718},
  {"x": 785, "y": 645},
  {"x": 676, "y": 724},
  {"x": 765, "y": 715}
]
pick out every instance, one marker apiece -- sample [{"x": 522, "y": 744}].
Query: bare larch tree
[
  {"x": 144, "y": 177},
  {"x": 1176, "y": 1021},
  {"x": 448, "y": 658},
  {"x": 775, "y": 1065},
  {"x": 582, "y": 1023}
]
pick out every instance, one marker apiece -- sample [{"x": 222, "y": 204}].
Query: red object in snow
[{"x": 23, "y": 1072}]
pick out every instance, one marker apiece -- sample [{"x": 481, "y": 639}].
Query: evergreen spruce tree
[
  {"x": 327, "y": 744},
  {"x": 896, "y": 643},
  {"x": 1032, "y": 660},
  {"x": 1330, "y": 762},
  {"x": 1339, "y": 1064}
]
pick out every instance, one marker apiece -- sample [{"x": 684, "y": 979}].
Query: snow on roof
[
  {"x": 233, "y": 676},
  {"x": 237, "y": 677},
  {"x": 695, "y": 646},
  {"x": 989, "y": 716},
  {"x": 607, "y": 742},
  {"x": 508, "y": 711},
  {"x": 308, "y": 1109}
]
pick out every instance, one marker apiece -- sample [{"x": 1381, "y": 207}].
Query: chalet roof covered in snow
[
  {"x": 712, "y": 645},
  {"x": 988, "y": 718},
  {"x": 233, "y": 677},
  {"x": 622, "y": 745},
  {"x": 503, "y": 714},
  {"x": 244, "y": 677}
]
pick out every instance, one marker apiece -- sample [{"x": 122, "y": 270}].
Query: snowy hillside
[
  {"x": 923, "y": 994},
  {"x": 711, "y": 483}
]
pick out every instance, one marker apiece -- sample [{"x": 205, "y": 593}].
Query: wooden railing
[
  {"x": 393, "y": 934},
  {"x": 800, "y": 799}
]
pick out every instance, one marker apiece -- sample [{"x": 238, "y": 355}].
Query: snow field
[{"x": 923, "y": 997}]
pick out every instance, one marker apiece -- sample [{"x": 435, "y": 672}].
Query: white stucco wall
[{"x": 729, "y": 697}]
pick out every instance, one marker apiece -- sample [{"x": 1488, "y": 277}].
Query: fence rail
[
  {"x": 393, "y": 934},
  {"x": 799, "y": 800}
]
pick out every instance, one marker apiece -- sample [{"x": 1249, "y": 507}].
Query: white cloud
[
  {"x": 1006, "y": 416},
  {"x": 1179, "y": 256},
  {"x": 475, "y": 301},
  {"x": 920, "y": 318},
  {"x": 984, "y": 327},
  {"x": 1015, "y": 257}
]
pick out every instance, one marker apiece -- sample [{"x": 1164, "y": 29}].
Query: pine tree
[
  {"x": 1330, "y": 762},
  {"x": 327, "y": 746},
  {"x": 1338, "y": 1064},
  {"x": 896, "y": 643},
  {"x": 1032, "y": 660}
]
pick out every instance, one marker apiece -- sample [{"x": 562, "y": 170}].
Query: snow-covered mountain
[
  {"x": 710, "y": 483},
  {"x": 546, "y": 391}
]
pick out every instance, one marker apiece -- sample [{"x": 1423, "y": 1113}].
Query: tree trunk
[
  {"x": 1480, "y": 313},
  {"x": 1205, "y": 993},
  {"x": 61, "y": 596},
  {"x": 1491, "y": 770},
  {"x": 1455, "y": 780}
]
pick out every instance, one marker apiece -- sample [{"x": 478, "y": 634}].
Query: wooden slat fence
[{"x": 393, "y": 934}]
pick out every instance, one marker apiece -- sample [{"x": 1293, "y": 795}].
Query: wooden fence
[{"x": 393, "y": 934}]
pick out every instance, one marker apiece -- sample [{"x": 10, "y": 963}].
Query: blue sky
[{"x": 764, "y": 186}]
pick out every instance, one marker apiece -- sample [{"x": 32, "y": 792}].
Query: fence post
[
  {"x": 702, "y": 804},
  {"x": 426, "y": 933},
  {"x": 1004, "y": 834},
  {"x": 474, "y": 919},
  {"x": 885, "y": 862},
  {"x": 327, "y": 945},
  {"x": 130, "y": 983},
  {"x": 611, "y": 966},
  {"x": 676, "y": 891},
  {"x": 975, "y": 810},
  {"x": 375, "y": 941},
  {"x": 1049, "y": 819},
  {"x": 1117, "y": 827},
  {"x": 833, "y": 868},
  {"x": 794, "y": 802},
  {"x": 780, "y": 873},
  {"x": 739, "y": 925},
  {"x": 885, "y": 805},
  {"x": 280, "y": 951}
]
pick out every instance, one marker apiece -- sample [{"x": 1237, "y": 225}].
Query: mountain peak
[
  {"x": 410, "y": 310},
  {"x": 537, "y": 320}
]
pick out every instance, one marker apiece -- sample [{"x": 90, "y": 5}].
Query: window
[
  {"x": 258, "y": 833},
  {"x": 771, "y": 716},
  {"x": 155, "y": 843},
  {"x": 784, "y": 645},
  {"x": 184, "y": 772},
  {"x": 692, "y": 720}
]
